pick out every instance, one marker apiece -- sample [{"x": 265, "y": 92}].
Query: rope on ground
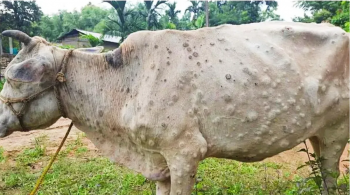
[{"x": 40, "y": 180}]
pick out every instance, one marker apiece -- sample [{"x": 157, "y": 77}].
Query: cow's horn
[{"x": 19, "y": 35}]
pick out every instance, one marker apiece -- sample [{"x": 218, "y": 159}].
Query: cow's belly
[
  {"x": 251, "y": 145},
  {"x": 256, "y": 135},
  {"x": 259, "y": 118}
]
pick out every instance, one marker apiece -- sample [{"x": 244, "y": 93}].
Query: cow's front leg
[
  {"x": 182, "y": 174},
  {"x": 163, "y": 187},
  {"x": 183, "y": 163}
]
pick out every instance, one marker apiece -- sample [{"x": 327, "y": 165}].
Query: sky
[{"x": 285, "y": 7}]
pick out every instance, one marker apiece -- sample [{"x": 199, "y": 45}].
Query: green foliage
[
  {"x": 123, "y": 20},
  {"x": 2, "y": 157},
  {"x": 151, "y": 13},
  {"x": 241, "y": 12},
  {"x": 231, "y": 12},
  {"x": 185, "y": 22},
  {"x": 20, "y": 15},
  {"x": 199, "y": 22},
  {"x": 99, "y": 27},
  {"x": 315, "y": 174},
  {"x": 92, "y": 40},
  {"x": 171, "y": 20},
  {"x": 172, "y": 14},
  {"x": 66, "y": 46},
  {"x": 341, "y": 18},
  {"x": 334, "y": 12},
  {"x": 315, "y": 182},
  {"x": 91, "y": 18},
  {"x": 196, "y": 9},
  {"x": 2, "y": 82},
  {"x": 58, "y": 24},
  {"x": 347, "y": 27},
  {"x": 170, "y": 25}
]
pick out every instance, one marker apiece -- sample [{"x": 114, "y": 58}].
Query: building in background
[{"x": 73, "y": 38}]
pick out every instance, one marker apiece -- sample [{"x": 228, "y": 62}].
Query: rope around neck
[{"x": 41, "y": 178}]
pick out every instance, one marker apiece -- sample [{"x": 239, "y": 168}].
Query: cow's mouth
[{"x": 5, "y": 133}]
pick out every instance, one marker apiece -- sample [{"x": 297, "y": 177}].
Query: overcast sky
[{"x": 285, "y": 7}]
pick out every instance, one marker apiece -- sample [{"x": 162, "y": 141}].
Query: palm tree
[
  {"x": 172, "y": 12},
  {"x": 124, "y": 22},
  {"x": 196, "y": 8},
  {"x": 151, "y": 13}
]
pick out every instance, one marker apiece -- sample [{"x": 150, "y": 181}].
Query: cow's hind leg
[
  {"x": 315, "y": 145},
  {"x": 332, "y": 143},
  {"x": 163, "y": 187}
]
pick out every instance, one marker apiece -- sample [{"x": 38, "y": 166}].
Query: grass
[
  {"x": 81, "y": 171},
  {"x": 2, "y": 82}
]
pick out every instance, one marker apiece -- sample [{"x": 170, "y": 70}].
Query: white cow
[{"x": 165, "y": 100}]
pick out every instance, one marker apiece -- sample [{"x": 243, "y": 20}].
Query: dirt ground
[{"x": 19, "y": 140}]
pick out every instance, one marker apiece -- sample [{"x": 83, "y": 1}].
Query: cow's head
[{"x": 32, "y": 72}]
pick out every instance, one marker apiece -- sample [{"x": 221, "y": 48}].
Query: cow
[{"x": 165, "y": 100}]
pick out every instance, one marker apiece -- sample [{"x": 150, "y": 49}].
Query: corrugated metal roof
[{"x": 108, "y": 38}]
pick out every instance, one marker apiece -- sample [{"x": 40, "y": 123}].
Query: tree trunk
[
  {"x": 206, "y": 14},
  {"x": 0, "y": 47}
]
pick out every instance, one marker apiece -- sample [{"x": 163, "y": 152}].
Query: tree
[
  {"x": 269, "y": 13},
  {"x": 170, "y": 19},
  {"x": 241, "y": 12},
  {"x": 172, "y": 13},
  {"x": 335, "y": 12},
  {"x": 185, "y": 22},
  {"x": 196, "y": 8},
  {"x": 53, "y": 27},
  {"x": 91, "y": 18},
  {"x": 166, "y": 23},
  {"x": 206, "y": 13},
  {"x": 150, "y": 12},
  {"x": 129, "y": 19},
  {"x": 48, "y": 29},
  {"x": 122, "y": 21},
  {"x": 20, "y": 15}
]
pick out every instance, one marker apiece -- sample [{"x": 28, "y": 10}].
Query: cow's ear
[
  {"x": 97, "y": 49},
  {"x": 26, "y": 71}
]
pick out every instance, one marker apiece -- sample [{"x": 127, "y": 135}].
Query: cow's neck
[{"x": 93, "y": 91}]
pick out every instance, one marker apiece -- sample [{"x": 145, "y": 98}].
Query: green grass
[
  {"x": 80, "y": 171},
  {"x": 2, "y": 157},
  {"x": 2, "y": 82}
]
